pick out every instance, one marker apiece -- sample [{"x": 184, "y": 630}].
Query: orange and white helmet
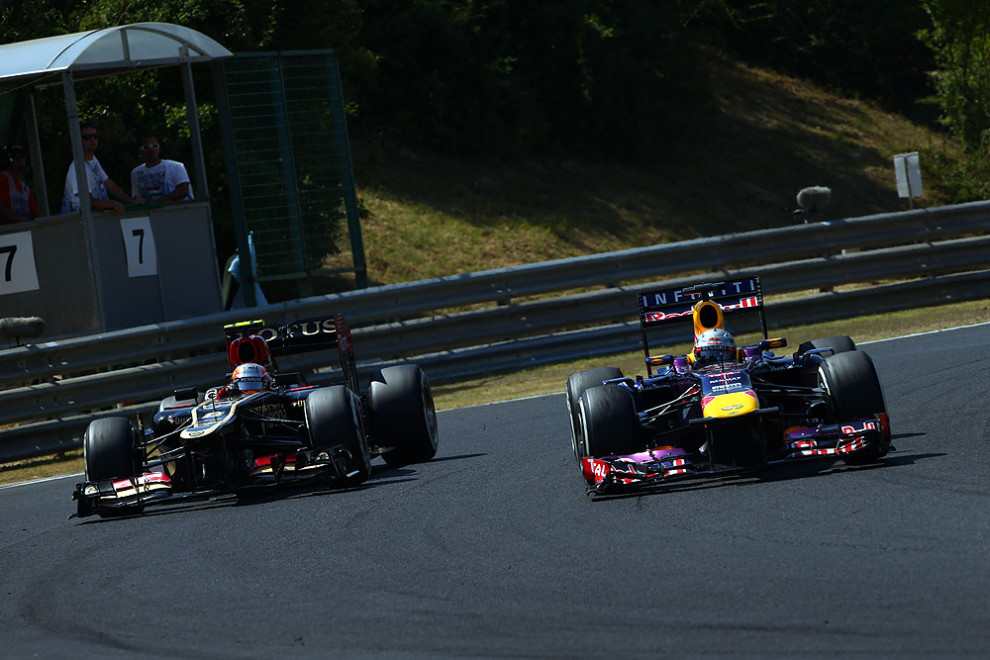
[{"x": 250, "y": 377}]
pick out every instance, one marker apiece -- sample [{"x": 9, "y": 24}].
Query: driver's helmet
[
  {"x": 250, "y": 377},
  {"x": 714, "y": 346}
]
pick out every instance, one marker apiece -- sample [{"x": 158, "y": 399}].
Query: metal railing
[{"x": 513, "y": 317}]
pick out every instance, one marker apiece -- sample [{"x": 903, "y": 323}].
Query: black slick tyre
[
  {"x": 854, "y": 392},
  {"x": 403, "y": 414},
  {"x": 609, "y": 423},
  {"x": 108, "y": 449},
  {"x": 838, "y": 343},
  {"x": 577, "y": 384},
  {"x": 333, "y": 417}
]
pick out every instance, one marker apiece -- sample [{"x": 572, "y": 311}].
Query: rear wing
[
  {"x": 315, "y": 334},
  {"x": 664, "y": 306}
]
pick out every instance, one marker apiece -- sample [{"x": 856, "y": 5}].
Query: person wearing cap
[
  {"x": 104, "y": 193},
  {"x": 17, "y": 203},
  {"x": 158, "y": 179}
]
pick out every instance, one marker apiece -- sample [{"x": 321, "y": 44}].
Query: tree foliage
[
  {"x": 507, "y": 78},
  {"x": 960, "y": 39},
  {"x": 865, "y": 49},
  {"x": 504, "y": 77}
]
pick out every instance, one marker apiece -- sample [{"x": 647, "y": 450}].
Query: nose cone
[{"x": 735, "y": 404}]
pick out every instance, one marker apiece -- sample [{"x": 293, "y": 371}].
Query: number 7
[
  {"x": 10, "y": 261},
  {"x": 140, "y": 234}
]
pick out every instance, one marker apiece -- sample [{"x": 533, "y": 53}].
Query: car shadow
[
  {"x": 807, "y": 469},
  {"x": 381, "y": 475}
]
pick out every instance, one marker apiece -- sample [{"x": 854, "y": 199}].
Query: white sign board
[
  {"x": 139, "y": 244},
  {"x": 908, "y": 171},
  {"x": 17, "y": 270}
]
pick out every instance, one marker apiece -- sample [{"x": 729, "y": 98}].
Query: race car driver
[
  {"x": 714, "y": 346},
  {"x": 248, "y": 378}
]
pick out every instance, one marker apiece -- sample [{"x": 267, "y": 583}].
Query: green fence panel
[{"x": 288, "y": 141}]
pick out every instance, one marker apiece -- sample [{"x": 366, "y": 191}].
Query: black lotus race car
[
  {"x": 226, "y": 440},
  {"x": 745, "y": 410}
]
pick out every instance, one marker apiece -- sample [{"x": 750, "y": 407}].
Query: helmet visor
[{"x": 250, "y": 384}]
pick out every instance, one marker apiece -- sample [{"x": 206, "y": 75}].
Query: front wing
[
  {"x": 613, "y": 474},
  {"x": 132, "y": 494}
]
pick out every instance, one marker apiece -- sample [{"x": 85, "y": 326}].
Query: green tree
[
  {"x": 494, "y": 76},
  {"x": 960, "y": 39}
]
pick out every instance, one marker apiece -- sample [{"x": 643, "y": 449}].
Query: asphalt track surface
[{"x": 493, "y": 550}]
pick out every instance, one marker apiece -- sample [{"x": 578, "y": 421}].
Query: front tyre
[
  {"x": 838, "y": 343},
  {"x": 609, "y": 423},
  {"x": 403, "y": 414},
  {"x": 853, "y": 389},
  {"x": 333, "y": 417},
  {"x": 577, "y": 384},
  {"x": 109, "y": 447}
]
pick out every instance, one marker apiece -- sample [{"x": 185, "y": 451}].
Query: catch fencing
[{"x": 509, "y": 318}]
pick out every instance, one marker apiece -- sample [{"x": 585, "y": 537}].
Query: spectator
[
  {"x": 101, "y": 186},
  {"x": 159, "y": 180},
  {"x": 17, "y": 202}
]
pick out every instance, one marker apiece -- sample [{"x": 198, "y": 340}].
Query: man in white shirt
[
  {"x": 159, "y": 180},
  {"x": 101, "y": 187}
]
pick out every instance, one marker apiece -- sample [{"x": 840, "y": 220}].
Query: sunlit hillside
[{"x": 427, "y": 216}]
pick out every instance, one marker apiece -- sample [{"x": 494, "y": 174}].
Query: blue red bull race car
[
  {"x": 263, "y": 428},
  {"x": 722, "y": 408}
]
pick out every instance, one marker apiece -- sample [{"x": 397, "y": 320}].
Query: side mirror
[
  {"x": 286, "y": 380},
  {"x": 776, "y": 342},
  {"x": 186, "y": 394},
  {"x": 660, "y": 360}
]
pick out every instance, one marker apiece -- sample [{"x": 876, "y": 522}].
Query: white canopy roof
[{"x": 103, "y": 52}]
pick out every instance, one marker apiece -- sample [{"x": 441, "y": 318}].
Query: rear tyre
[
  {"x": 609, "y": 424},
  {"x": 403, "y": 414},
  {"x": 333, "y": 417},
  {"x": 577, "y": 384},
  {"x": 109, "y": 449},
  {"x": 853, "y": 389},
  {"x": 838, "y": 343}
]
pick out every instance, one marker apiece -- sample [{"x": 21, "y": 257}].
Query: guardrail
[{"x": 53, "y": 389}]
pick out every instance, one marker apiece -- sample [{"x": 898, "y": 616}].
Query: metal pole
[
  {"x": 37, "y": 161},
  {"x": 346, "y": 166},
  {"x": 82, "y": 184},
  {"x": 192, "y": 116},
  {"x": 287, "y": 163},
  {"x": 245, "y": 271}
]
